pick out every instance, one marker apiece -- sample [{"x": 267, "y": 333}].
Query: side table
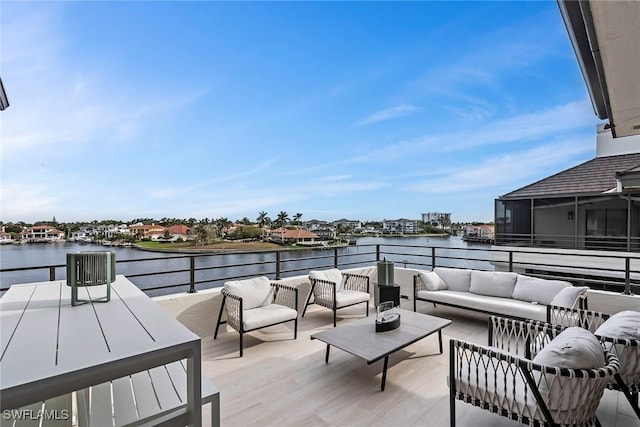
[{"x": 387, "y": 293}]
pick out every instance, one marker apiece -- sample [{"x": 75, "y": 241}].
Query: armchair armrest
[
  {"x": 418, "y": 285},
  {"x": 356, "y": 282},
  {"x": 566, "y": 317},
  {"x": 233, "y": 306},
  {"x": 523, "y": 338},
  {"x": 285, "y": 295},
  {"x": 324, "y": 291}
]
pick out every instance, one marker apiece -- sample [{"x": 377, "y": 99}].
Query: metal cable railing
[{"x": 191, "y": 272}]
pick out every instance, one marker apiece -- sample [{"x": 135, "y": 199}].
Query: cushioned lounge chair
[{"x": 257, "y": 303}]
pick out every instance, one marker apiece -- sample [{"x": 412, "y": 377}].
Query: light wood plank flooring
[{"x": 282, "y": 382}]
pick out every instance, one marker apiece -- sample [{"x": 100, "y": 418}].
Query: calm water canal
[{"x": 231, "y": 265}]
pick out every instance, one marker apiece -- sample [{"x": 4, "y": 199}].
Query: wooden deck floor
[{"x": 282, "y": 382}]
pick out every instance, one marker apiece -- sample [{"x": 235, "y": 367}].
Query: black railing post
[
  {"x": 52, "y": 274},
  {"x": 192, "y": 275},
  {"x": 627, "y": 276},
  {"x": 433, "y": 257},
  {"x": 377, "y": 252},
  {"x": 335, "y": 257},
  {"x": 511, "y": 261},
  {"x": 277, "y": 265}
]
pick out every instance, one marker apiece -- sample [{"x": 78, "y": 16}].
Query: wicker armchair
[
  {"x": 627, "y": 350},
  {"x": 257, "y": 303},
  {"x": 504, "y": 380},
  {"x": 335, "y": 290}
]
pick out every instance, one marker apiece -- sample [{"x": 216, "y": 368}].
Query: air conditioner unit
[{"x": 90, "y": 269}]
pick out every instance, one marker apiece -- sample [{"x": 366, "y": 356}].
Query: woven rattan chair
[
  {"x": 627, "y": 350},
  {"x": 335, "y": 290},
  {"x": 504, "y": 380},
  {"x": 257, "y": 303}
]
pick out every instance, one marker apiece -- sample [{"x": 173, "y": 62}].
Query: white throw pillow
[
  {"x": 574, "y": 348},
  {"x": 456, "y": 279},
  {"x": 625, "y": 325},
  {"x": 492, "y": 283},
  {"x": 534, "y": 289},
  {"x": 255, "y": 292},
  {"x": 432, "y": 281},
  {"x": 568, "y": 297}
]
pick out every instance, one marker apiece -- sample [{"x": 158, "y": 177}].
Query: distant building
[
  {"x": 402, "y": 225},
  {"x": 350, "y": 224},
  {"x": 436, "y": 217}
]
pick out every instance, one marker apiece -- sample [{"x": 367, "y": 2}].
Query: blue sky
[{"x": 359, "y": 110}]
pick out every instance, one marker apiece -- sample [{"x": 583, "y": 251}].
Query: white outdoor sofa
[{"x": 495, "y": 292}]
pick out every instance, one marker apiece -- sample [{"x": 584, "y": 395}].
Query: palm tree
[
  {"x": 262, "y": 221},
  {"x": 222, "y": 224},
  {"x": 282, "y": 219},
  {"x": 296, "y": 218}
]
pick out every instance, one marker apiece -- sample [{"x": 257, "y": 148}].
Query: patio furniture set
[{"x": 546, "y": 366}]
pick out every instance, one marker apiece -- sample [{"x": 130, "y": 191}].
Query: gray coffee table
[{"x": 361, "y": 339}]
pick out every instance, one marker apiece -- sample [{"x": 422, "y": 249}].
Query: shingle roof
[{"x": 595, "y": 176}]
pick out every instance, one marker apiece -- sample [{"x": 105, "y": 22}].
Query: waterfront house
[
  {"x": 148, "y": 231},
  {"x": 592, "y": 206},
  {"x": 41, "y": 233},
  {"x": 299, "y": 237},
  {"x": 179, "y": 231},
  {"x": 349, "y": 224}
]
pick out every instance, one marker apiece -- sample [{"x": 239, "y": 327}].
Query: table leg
[
  {"x": 326, "y": 355},
  {"x": 440, "y": 340},
  {"x": 384, "y": 372},
  {"x": 194, "y": 386}
]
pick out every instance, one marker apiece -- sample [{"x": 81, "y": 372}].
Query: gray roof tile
[{"x": 595, "y": 176}]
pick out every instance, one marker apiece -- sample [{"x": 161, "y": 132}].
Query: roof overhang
[
  {"x": 606, "y": 38},
  {"x": 4, "y": 101}
]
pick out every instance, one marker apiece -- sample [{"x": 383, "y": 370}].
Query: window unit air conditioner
[{"x": 86, "y": 269}]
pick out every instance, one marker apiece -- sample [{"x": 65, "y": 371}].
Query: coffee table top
[{"x": 361, "y": 339}]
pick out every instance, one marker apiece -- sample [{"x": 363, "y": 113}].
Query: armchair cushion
[
  {"x": 333, "y": 275},
  {"x": 533, "y": 289},
  {"x": 349, "y": 297},
  {"x": 492, "y": 283},
  {"x": 574, "y": 348},
  {"x": 271, "y": 314},
  {"x": 568, "y": 297},
  {"x": 625, "y": 325},
  {"x": 432, "y": 281},
  {"x": 255, "y": 292},
  {"x": 455, "y": 278}
]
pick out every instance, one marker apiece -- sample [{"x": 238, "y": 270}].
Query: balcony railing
[
  {"x": 192, "y": 272},
  {"x": 569, "y": 241}
]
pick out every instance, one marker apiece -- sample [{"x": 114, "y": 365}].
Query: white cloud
[
  {"x": 27, "y": 201},
  {"x": 504, "y": 171},
  {"x": 387, "y": 114}
]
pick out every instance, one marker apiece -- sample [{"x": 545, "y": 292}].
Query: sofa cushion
[
  {"x": 255, "y": 292},
  {"x": 432, "y": 281},
  {"x": 492, "y": 283},
  {"x": 533, "y": 289},
  {"x": 505, "y": 306},
  {"x": 456, "y": 279},
  {"x": 568, "y": 297},
  {"x": 332, "y": 275}
]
